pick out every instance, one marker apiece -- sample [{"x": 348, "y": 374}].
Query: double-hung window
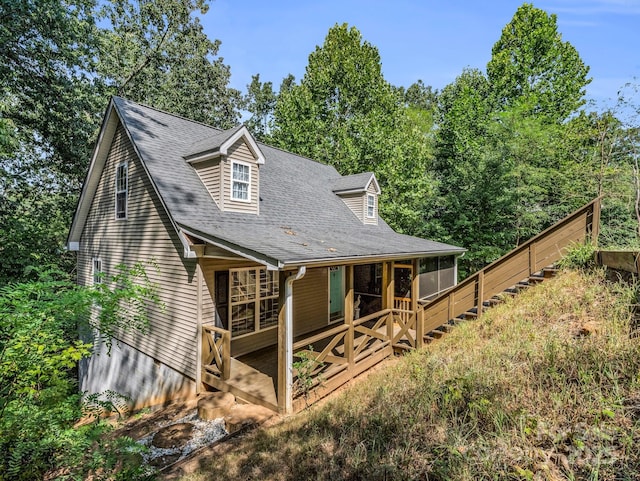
[
  {"x": 240, "y": 181},
  {"x": 371, "y": 206},
  {"x": 122, "y": 185}
]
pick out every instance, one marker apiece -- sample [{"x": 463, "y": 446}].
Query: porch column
[
  {"x": 285, "y": 340},
  {"x": 387, "y": 285},
  {"x": 348, "y": 317},
  {"x": 282, "y": 339},
  {"x": 415, "y": 294},
  {"x": 199, "y": 287}
]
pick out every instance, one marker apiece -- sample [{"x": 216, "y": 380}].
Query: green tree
[
  {"x": 260, "y": 101},
  {"x": 344, "y": 113},
  {"x": 157, "y": 53},
  {"x": 531, "y": 64}
]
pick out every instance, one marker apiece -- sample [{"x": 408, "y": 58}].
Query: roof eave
[
  {"x": 370, "y": 258},
  {"x": 251, "y": 255}
]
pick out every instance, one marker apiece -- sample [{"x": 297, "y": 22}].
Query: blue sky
[{"x": 429, "y": 40}]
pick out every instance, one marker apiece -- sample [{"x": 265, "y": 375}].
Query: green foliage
[
  {"x": 344, "y": 113},
  {"x": 260, "y": 101},
  {"x": 531, "y": 65},
  {"x": 580, "y": 256},
  {"x": 156, "y": 53},
  {"x": 304, "y": 369},
  {"x": 39, "y": 352}
]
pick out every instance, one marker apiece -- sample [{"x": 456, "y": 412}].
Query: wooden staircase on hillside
[{"x": 526, "y": 265}]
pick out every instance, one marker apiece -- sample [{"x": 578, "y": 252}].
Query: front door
[{"x": 336, "y": 293}]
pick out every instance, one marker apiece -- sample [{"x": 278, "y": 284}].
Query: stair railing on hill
[{"x": 521, "y": 263}]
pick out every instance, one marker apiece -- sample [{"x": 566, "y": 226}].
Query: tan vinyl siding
[
  {"x": 209, "y": 173},
  {"x": 147, "y": 234},
  {"x": 370, "y": 220},
  {"x": 240, "y": 152},
  {"x": 311, "y": 301},
  {"x": 355, "y": 203}
]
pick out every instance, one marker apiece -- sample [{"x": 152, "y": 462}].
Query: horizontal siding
[
  {"x": 311, "y": 301},
  {"x": 146, "y": 235},
  {"x": 209, "y": 173},
  {"x": 355, "y": 203},
  {"x": 240, "y": 151}
]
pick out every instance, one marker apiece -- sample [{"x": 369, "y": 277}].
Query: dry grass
[{"x": 546, "y": 386}]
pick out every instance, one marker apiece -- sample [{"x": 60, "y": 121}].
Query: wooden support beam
[
  {"x": 480, "y": 292},
  {"x": 532, "y": 259},
  {"x": 348, "y": 317},
  {"x": 282, "y": 361},
  {"x": 595, "y": 221},
  {"x": 199, "y": 343}
]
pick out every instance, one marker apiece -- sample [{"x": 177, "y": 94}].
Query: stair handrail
[{"x": 591, "y": 228}]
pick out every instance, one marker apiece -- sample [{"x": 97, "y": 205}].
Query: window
[
  {"x": 253, "y": 296},
  {"x": 97, "y": 271},
  {"x": 371, "y": 206},
  {"x": 122, "y": 182},
  {"x": 240, "y": 181}
]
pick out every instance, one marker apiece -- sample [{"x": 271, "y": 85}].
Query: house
[{"x": 261, "y": 255}]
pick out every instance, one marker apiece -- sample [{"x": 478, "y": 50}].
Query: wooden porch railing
[
  {"x": 216, "y": 351},
  {"x": 537, "y": 253},
  {"x": 343, "y": 350}
]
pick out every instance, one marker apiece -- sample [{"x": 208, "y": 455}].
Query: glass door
[{"x": 336, "y": 293}]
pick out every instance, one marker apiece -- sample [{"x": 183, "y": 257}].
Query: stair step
[
  {"x": 436, "y": 334},
  {"x": 549, "y": 272}
]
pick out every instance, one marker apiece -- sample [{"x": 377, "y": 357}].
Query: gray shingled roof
[
  {"x": 301, "y": 219},
  {"x": 352, "y": 183},
  {"x": 212, "y": 142}
]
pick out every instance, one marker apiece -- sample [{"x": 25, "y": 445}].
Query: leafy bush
[
  {"x": 39, "y": 352},
  {"x": 580, "y": 256}
]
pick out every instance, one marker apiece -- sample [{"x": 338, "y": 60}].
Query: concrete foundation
[{"x": 128, "y": 371}]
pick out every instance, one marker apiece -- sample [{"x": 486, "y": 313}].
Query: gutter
[
  {"x": 326, "y": 261},
  {"x": 288, "y": 329}
]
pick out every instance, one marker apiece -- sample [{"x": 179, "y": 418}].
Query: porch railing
[
  {"x": 521, "y": 263},
  {"x": 344, "y": 348},
  {"x": 216, "y": 351}
]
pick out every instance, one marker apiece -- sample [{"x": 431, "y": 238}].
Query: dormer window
[
  {"x": 371, "y": 206},
  {"x": 240, "y": 181},
  {"x": 122, "y": 184},
  {"x": 360, "y": 193}
]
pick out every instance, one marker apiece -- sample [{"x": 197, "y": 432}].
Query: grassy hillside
[{"x": 544, "y": 387}]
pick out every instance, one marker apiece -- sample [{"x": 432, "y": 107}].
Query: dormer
[
  {"x": 360, "y": 193},
  {"x": 228, "y": 163}
]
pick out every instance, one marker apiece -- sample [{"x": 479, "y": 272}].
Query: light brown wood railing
[
  {"x": 342, "y": 349},
  {"x": 216, "y": 351},
  {"x": 541, "y": 251}
]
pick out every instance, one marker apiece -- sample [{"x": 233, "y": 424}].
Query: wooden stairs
[
  {"x": 495, "y": 300},
  {"x": 528, "y": 264}
]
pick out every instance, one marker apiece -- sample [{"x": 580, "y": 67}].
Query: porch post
[
  {"x": 282, "y": 340},
  {"x": 285, "y": 341},
  {"x": 199, "y": 285},
  {"x": 348, "y": 317},
  {"x": 387, "y": 285},
  {"x": 415, "y": 294}
]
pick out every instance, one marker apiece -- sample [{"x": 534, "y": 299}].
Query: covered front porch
[{"x": 299, "y": 369}]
